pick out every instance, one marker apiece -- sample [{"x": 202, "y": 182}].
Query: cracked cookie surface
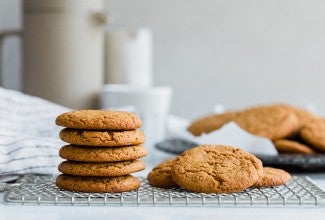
[
  {"x": 291, "y": 146},
  {"x": 216, "y": 169},
  {"x": 209, "y": 123},
  {"x": 99, "y": 119},
  {"x": 102, "y": 154},
  {"x": 97, "y": 184},
  {"x": 273, "y": 122},
  {"x": 272, "y": 177},
  {"x": 314, "y": 134},
  {"x": 160, "y": 176},
  {"x": 102, "y": 138},
  {"x": 101, "y": 169}
]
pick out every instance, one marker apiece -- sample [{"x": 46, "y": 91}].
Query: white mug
[
  {"x": 151, "y": 104},
  {"x": 63, "y": 48}
]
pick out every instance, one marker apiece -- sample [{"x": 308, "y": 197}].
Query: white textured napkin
[
  {"x": 230, "y": 134},
  {"x": 29, "y": 137}
]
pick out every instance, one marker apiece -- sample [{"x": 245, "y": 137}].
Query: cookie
[
  {"x": 101, "y": 169},
  {"x": 210, "y": 123},
  {"x": 160, "y": 176},
  {"x": 216, "y": 169},
  {"x": 272, "y": 177},
  {"x": 102, "y": 138},
  {"x": 100, "y": 154},
  {"x": 314, "y": 134},
  {"x": 305, "y": 117},
  {"x": 97, "y": 184},
  {"x": 273, "y": 122},
  {"x": 290, "y": 146},
  {"x": 99, "y": 119}
]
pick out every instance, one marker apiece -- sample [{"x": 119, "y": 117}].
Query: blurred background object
[
  {"x": 63, "y": 50},
  {"x": 129, "y": 56},
  {"x": 238, "y": 53},
  {"x": 151, "y": 104}
]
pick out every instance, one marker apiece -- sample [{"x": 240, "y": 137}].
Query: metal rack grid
[{"x": 41, "y": 190}]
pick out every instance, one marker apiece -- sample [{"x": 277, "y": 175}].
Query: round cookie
[
  {"x": 216, "y": 169},
  {"x": 314, "y": 134},
  {"x": 273, "y": 122},
  {"x": 304, "y": 117},
  {"x": 101, "y": 169},
  {"x": 290, "y": 146},
  {"x": 160, "y": 176},
  {"x": 101, "y": 154},
  {"x": 97, "y": 184},
  {"x": 99, "y": 119},
  {"x": 210, "y": 123},
  {"x": 102, "y": 138},
  {"x": 272, "y": 177}
]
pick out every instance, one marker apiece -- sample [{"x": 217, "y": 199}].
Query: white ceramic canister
[
  {"x": 63, "y": 50},
  {"x": 129, "y": 56}
]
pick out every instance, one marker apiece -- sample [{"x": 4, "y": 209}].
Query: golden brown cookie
[
  {"x": 101, "y": 154},
  {"x": 99, "y": 119},
  {"x": 160, "y": 176},
  {"x": 304, "y": 116},
  {"x": 273, "y": 122},
  {"x": 97, "y": 184},
  {"x": 101, "y": 169},
  {"x": 210, "y": 123},
  {"x": 290, "y": 146},
  {"x": 314, "y": 134},
  {"x": 272, "y": 177},
  {"x": 216, "y": 169},
  {"x": 102, "y": 138}
]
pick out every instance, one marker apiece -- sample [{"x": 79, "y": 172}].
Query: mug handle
[{"x": 3, "y": 36}]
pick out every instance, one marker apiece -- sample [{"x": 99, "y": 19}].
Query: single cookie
[
  {"x": 102, "y": 138},
  {"x": 99, "y": 119},
  {"x": 314, "y": 134},
  {"x": 216, "y": 169},
  {"x": 97, "y": 184},
  {"x": 273, "y": 122},
  {"x": 101, "y": 169},
  {"x": 290, "y": 146},
  {"x": 100, "y": 154},
  {"x": 305, "y": 117},
  {"x": 160, "y": 176},
  {"x": 210, "y": 123},
  {"x": 272, "y": 177}
]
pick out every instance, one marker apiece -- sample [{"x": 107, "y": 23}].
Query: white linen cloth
[{"x": 29, "y": 137}]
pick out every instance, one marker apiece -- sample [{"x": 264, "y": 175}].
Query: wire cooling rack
[{"x": 41, "y": 190}]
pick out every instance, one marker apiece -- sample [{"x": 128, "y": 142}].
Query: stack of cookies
[
  {"x": 216, "y": 169},
  {"x": 104, "y": 148},
  {"x": 292, "y": 129}
]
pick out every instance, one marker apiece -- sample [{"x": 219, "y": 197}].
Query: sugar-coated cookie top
[
  {"x": 99, "y": 119},
  {"x": 216, "y": 169},
  {"x": 272, "y": 177},
  {"x": 272, "y": 122}
]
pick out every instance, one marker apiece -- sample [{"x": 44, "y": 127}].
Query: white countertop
[{"x": 157, "y": 213}]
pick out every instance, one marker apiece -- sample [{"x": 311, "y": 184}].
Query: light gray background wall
[
  {"x": 10, "y": 18},
  {"x": 233, "y": 52}
]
